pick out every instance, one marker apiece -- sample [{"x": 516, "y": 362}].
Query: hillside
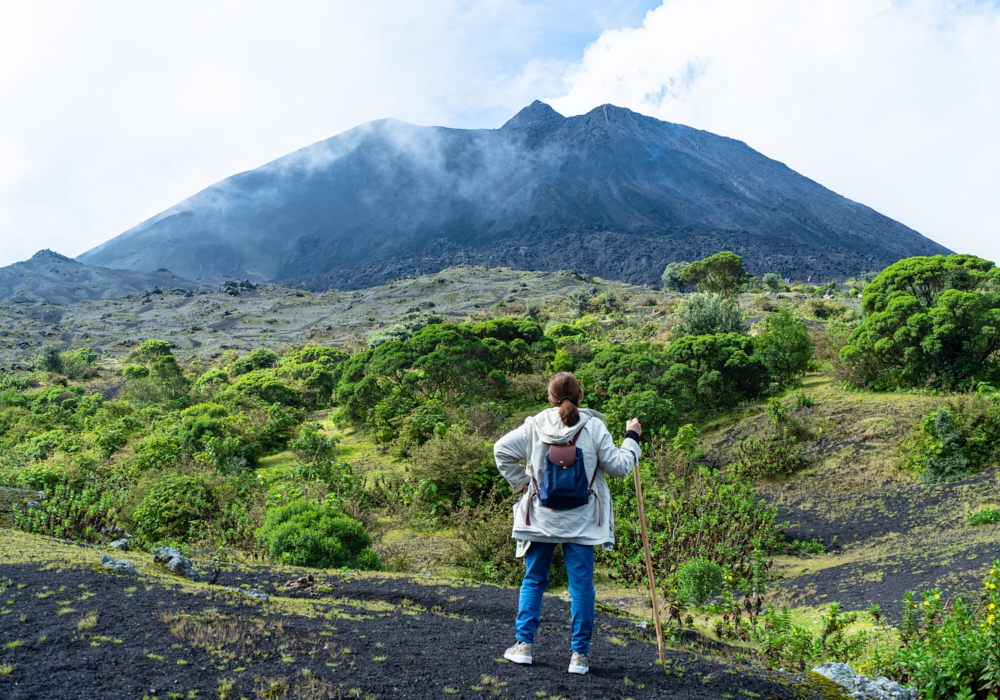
[
  {"x": 55, "y": 279},
  {"x": 611, "y": 193},
  {"x": 234, "y": 317}
]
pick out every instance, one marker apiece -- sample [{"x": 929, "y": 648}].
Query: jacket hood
[{"x": 552, "y": 431}]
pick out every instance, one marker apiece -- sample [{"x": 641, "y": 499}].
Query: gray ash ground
[
  {"x": 381, "y": 636},
  {"x": 915, "y": 538}
]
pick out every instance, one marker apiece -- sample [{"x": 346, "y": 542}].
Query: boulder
[
  {"x": 119, "y": 566},
  {"x": 861, "y": 687},
  {"x": 176, "y": 562},
  {"x": 122, "y": 545},
  {"x": 253, "y": 593}
]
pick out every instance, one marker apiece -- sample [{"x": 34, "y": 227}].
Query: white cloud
[
  {"x": 893, "y": 104},
  {"x": 113, "y": 110}
]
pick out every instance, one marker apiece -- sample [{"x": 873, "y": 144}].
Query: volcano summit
[{"x": 611, "y": 192}]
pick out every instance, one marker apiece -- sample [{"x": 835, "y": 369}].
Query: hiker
[{"x": 558, "y": 460}]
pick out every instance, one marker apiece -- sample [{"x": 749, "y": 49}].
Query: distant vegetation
[{"x": 242, "y": 457}]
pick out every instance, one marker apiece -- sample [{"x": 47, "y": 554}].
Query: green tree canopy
[
  {"x": 930, "y": 321},
  {"x": 673, "y": 276},
  {"x": 722, "y": 273}
]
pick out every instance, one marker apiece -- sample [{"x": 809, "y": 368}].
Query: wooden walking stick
[{"x": 649, "y": 565}]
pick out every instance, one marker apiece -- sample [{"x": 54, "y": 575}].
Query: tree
[
  {"x": 773, "y": 281},
  {"x": 707, "y": 313},
  {"x": 784, "y": 346},
  {"x": 49, "y": 358},
  {"x": 722, "y": 273},
  {"x": 579, "y": 302},
  {"x": 930, "y": 321},
  {"x": 672, "y": 276}
]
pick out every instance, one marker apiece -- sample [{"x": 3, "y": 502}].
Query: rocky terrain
[
  {"x": 611, "y": 192},
  {"x": 48, "y": 277},
  {"x": 242, "y": 315}
]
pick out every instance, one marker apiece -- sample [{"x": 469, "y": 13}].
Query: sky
[{"x": 112, "y": 111}]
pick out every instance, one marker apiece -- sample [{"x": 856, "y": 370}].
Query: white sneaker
[
  {"x": 578, "y": 664},
  {"x": 520, "y": 653}
]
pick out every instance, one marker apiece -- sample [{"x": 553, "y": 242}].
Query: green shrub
[
  {"x": 698, "y": 580},
  {"x": 259, "y": 358},
  {"x": 691, "y": 512},
  {"x": 707, "y": 313},
  {"x": 715, "y": 371},
  {"x": 262, "y": 384},
  {"x": 775, "y": 453},
  {"x": 317, "y": 536},
  {"x": 73, "y": 514},
  {"x": 773, "y": 281},
  {"x": 948, "y": 649},
  {"x": 940, "y": 448},
  {"x": 50, "y": 359},
  {"x": 986, "y": 516},
  {"x": 929, "y": 321},
  {"x": 784, "y": 347},
  {"x": 41, "y": 477},
  {"x": 579, "y": 302},
  {"x": 653, "y": 410},
  {"x": 459, "y": 465},
  {"x": 173, "y": 505},
  {"x": 79, "y": 363}
]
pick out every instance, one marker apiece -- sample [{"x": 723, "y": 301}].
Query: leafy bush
[
  {"x": 158, "y": 379},
  {"x": 707, "y": 313},
  {"x": 779, "y": 642},
  {"x": 673, "y": 276},
  {"x": 986, "y": 516},
  {"x": 70, "y": 514},
  {"x": 79, "y": 363},
  {"x": 459, "y": 465},
  {"x": 948, "y": 649},
  {"x": 825, "y": 309},
  {"x": 698, "y": 580},
  {"x": 173, "y": 505},
  {"x": 715, "y": 371},
  {"x": 579, "y": 302},
  {"x": 653, "y": 410},
  {"x": 776, "y": 453},
  {"x": 940, "y": 448},
  {"x": 784, "y": 347},
  {"x": 41, "y": 477},
  {"x": 317, "y": 536},
  {"x": 929, "y": 321},
  {"x": 773, "y": 281},
  {"x": 259, "y": 358},
  {"x": 265, "y": 386},
  {"x": 403, "y": 330},
  {"x": 50, "y": 359},
  {"x": 691, "y": 512}
]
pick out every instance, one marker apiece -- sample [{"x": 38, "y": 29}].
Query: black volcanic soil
[{"x": 378, "y": 636}]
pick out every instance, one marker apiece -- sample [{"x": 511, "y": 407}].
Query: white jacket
[{"x": 521, "y": 453}]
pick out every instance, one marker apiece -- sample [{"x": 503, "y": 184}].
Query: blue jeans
[{"x": 579, "y": 560}]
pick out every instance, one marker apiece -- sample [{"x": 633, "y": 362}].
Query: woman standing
[{"x": 523, "y": 457}]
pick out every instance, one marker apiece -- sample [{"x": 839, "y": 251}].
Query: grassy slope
[{"x": 893, "y": 533}]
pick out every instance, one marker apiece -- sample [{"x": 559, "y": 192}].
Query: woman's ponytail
[{"x": 564, "y": 392}]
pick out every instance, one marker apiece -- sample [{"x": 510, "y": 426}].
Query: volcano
[{"x": 610, "y": 193}]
